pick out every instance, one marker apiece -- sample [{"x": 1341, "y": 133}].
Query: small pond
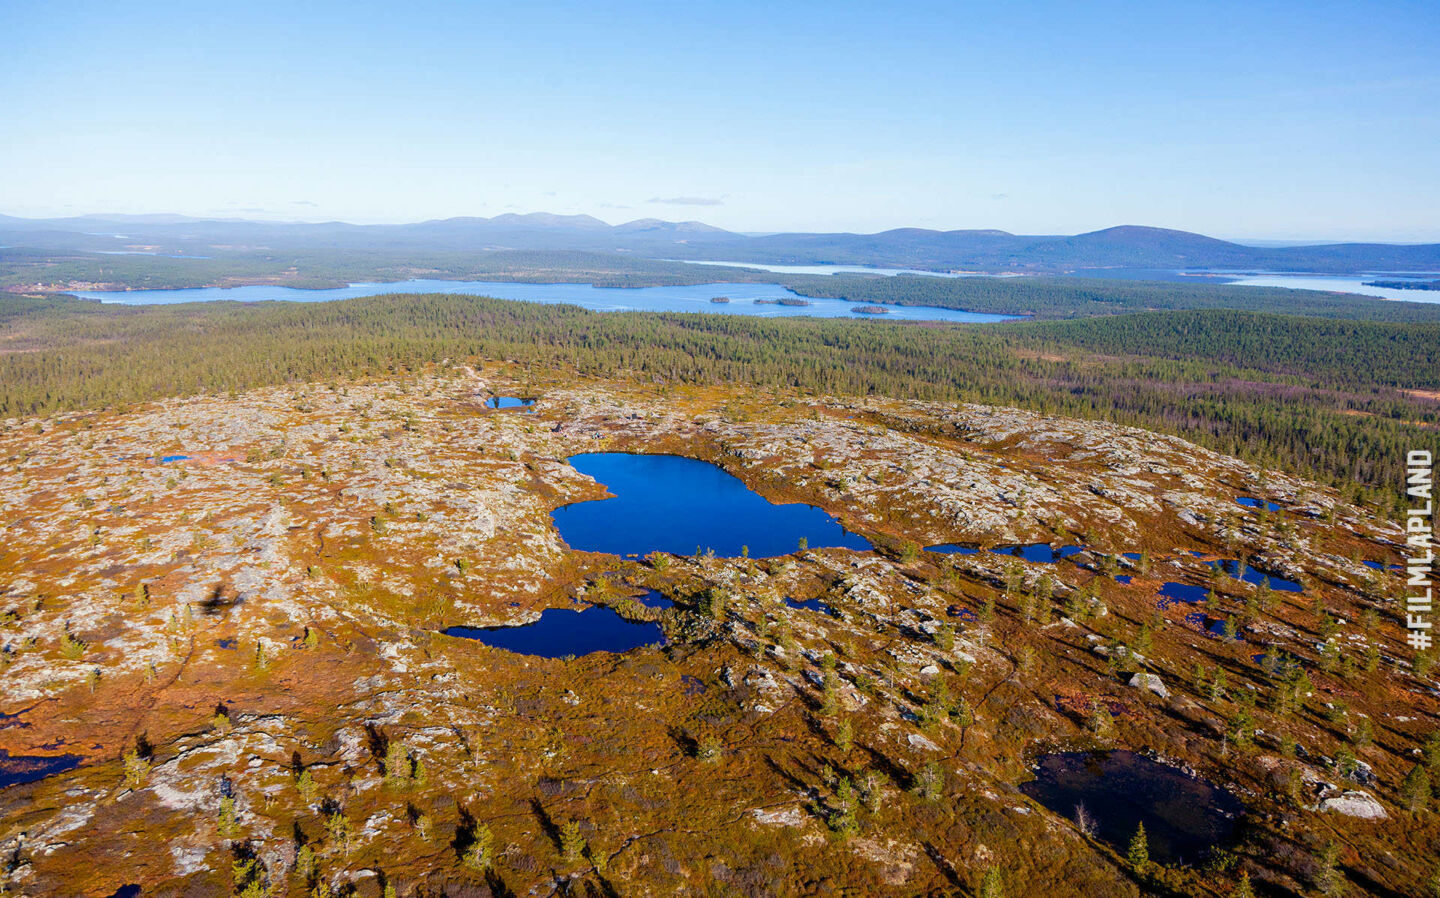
[
  {"x": 508, "y": 402},
  {"x": 18, "y": 769},
  {"x": 563, "y": 632},
  {"x": 1170, "y": 593},
  {"x": 653, "y": 598},
  {"x": 952, "y": 549},
  {"x": 1251, "y": 575},
  {"x": 1185, "y": 817},
  {"x": 811, "y": 605},
  {"x": 1042, "y": 552},
  {"x": 1252, "y": 502},
  {"x": 668, "y": 503}
]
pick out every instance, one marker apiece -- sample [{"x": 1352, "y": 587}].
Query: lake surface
[
  {"x": 1289, "y": 280},
  {"x": 692, "y": 298},
  {"x": 668, "y": 503},
  {"x": 565, "y": 632},
  {"x": 1342, "y": 284},
  {"x": 835, "y": 269},
  {"x": 1185, "y": 817},
  {"x": 1331, "y": 283}
]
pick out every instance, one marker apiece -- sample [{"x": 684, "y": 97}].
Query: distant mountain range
[{"x": 1130, "y": 247}]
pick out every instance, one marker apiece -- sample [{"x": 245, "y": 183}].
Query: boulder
[
  {"x": 1355, "y": 804},
  {"x": 1150, "y": 681}
]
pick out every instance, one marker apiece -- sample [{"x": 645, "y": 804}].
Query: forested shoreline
[
  {"x": 1040, "y": 297},
  {"x": 1317, "y": 396}
]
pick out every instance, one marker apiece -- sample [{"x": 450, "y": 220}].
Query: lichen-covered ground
[{"x": 244, "y": 649}]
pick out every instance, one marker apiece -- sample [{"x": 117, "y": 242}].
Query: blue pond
[
  {"x": 1185, "y": 817},
  {"x": 508, "y": 402},
  {"x": 1252, "y": 502},
  {"x": 17, "y": 769},
  {"x": 745, "y": 299},
  {"x": 668, "y": 503},
  {"x": 1042, "y": 552},
  {"x": 1170, "y": 593},
  {"x": 653, "y": 598},
  {"x": 562, "y": 632},
  {"x": 952, "y": 549},
  {"x": 811, "y": 605},
  {"x": 1251, "y": 575},
  {"x": 1123, "y": 578}
]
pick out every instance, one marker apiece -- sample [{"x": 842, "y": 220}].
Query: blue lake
[
  {"x": 668, "y": 503},
  {"x": 952, "y": 549},
  {"x": 692, "y": 298},
  {"x": 833, "y": 269},
  {"x": 563, "y": 632},
  {"x": 1328, "y": 283}
]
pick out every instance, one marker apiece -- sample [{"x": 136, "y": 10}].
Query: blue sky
[{"x": 1244, "y": 120}]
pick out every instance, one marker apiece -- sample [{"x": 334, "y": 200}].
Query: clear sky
[{"x": 1303, "y": 119}]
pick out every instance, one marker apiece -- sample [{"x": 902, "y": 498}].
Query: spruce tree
[
  {"x": 1139, "y": 853},
  {"x": 991, "y": 886},
  {"x": 1416, "y": 788}
]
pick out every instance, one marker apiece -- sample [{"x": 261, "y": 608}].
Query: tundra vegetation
[{"x": 234, "y": 538}]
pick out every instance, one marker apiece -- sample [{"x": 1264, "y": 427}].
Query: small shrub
[
  {"x": 137, "y": 768},
  {"x": 70, "y": 647}
]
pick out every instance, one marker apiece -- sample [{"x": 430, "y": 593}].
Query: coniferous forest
[{"x": 1334, "y": 398}]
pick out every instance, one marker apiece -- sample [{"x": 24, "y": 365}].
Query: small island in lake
[
  {"x": 782, "y": 302},
  {"x": 1405, "y": 285},
  {"x": 870, "y": 310}
]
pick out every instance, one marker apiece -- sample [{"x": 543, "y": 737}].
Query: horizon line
[{"x": 1243, "y": 241}]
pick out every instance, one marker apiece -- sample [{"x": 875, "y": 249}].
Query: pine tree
[
  {"x": 1328, "y": 878},
  {"x": 1139, "y": 852},
  {"x": 1242, "y": 888},
  {"x": 1416, "y": 788},
  {"x": 991, "y": 887}
]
